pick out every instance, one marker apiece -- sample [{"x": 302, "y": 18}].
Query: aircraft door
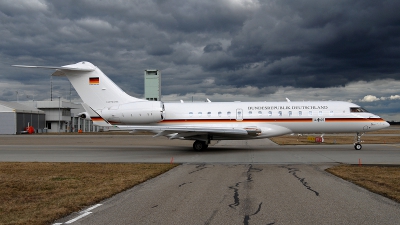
[{"x": 239, "y": 114}]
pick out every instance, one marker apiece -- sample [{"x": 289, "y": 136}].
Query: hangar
[
  {"x": 62, "y": 116},
  {"x": 15, "y": 117}
]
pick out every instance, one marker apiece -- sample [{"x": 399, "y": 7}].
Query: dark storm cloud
[
  {"x": 241, "y": 43},
  {"x": 214, "y": 47},
  {"x": 317, "y": 44}
]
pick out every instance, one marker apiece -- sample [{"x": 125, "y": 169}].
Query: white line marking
[
  {"x": 83, "y": 214},
  {"x": 91, "y": 208},
  {"x": 77, "y": 218}
]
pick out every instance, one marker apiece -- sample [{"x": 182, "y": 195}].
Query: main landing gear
[
  {"x": 357, "y": 143},
  {"x": 200, "y": 145}
]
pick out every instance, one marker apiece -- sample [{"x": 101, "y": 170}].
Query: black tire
[
  {"x": 199, "y": 145},
  {"x": 357, "y": 146}
]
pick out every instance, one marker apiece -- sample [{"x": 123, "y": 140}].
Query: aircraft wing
[
  {"x": 200, "y": 133},
  {"x": 175, "y": 132}
]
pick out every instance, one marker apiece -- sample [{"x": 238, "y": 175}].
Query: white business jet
[{"x": 108, "y": 105}]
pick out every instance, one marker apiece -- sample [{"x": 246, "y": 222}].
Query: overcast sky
[{"x": 224, "y": 50}]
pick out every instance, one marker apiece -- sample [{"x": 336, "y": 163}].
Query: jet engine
[
  {"x": 135, "y": 113},
  {"x": 84, "y": 115}
]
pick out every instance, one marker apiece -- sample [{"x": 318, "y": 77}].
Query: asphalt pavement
[
  {"x": 144, "y": 148},
  {"x": 244, "y": 194},
  {"x": 232, "y": 182}
]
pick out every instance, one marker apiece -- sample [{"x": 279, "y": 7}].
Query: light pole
[
  {"x": 51, "y": 88},
  {"x": 59, "y": 116}
]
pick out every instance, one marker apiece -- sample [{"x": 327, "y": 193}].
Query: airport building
[
  {"x": 43, "y": 116},
  {"x": 15, "y": 117},
  {"x": 152, "y": 85}
]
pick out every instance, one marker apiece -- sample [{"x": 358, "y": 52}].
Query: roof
[
  {"x": 20, "y": 108},
  {"x": 56, "y": 104}
]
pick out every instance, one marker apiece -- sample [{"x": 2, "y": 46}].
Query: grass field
[
  {"x": 302, "y": 140},
  {"x": 40, "y": 193},
  {"x": 384, "y": 136},
  {"x": 383, "y": 180}
]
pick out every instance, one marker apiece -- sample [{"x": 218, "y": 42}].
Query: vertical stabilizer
[{"x": 94, "y": 87}]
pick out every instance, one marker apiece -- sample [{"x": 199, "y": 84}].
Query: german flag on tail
[{"x": 94, "y": 81}]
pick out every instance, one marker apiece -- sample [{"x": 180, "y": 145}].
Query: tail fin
[{"x": 92, "y": 85}]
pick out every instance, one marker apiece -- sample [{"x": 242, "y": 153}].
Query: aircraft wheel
[
  {"x": 199, "y": 145},
  {"x": 357, "y": 146}
]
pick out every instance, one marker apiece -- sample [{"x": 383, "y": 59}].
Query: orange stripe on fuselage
[
  {"x": 275, "y": 120},
  {"x": 354, "y": 120},
  {"x": 234, "y": 120}
]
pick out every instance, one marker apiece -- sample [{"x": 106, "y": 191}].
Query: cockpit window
[{"x": 357, "y": 110}]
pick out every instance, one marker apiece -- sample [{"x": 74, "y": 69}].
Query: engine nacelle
[
  {"x": 134, "y": 113},
  {"x": 84, "y": 115},
  {"x": 272, "y": 130}
]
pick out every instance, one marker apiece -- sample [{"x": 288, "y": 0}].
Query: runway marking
[
  {"x": 83, "y": 214},
  {"x": 79, "y": 217},
  {"x": 93, "y": 207}
]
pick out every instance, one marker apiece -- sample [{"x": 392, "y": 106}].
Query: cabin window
[
  {"x": 200, "y": 113},
  {"x": 290, "y": 113},
  {"x": 229, "y": 113},
  {"x": 219, "y": 114},
  {"x": 260, "y": 113},
  {"x": 280, "y": 113},
  {"x": 357, "y": 109},
  {"x": 331, "y": 113},
  {"x": 320, "y": 113},
  {"x": 250, "y": 112},
  {"x": 269, "y": 113},
  {"x": 190, "y": 114},
  {"x": 310, "y": 113},
  {"x": 208, "y": 113},
  {"x": 300, "y": 113}
]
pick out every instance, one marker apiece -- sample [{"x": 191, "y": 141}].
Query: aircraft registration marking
[{"x": 319, "y": 120}]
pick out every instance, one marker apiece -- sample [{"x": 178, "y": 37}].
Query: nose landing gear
[{"x": 357, "y": 143}]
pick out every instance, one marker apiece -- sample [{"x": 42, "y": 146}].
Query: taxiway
[
  {"x": 144, "y": 148},
  {"x": 232, "y": 182}
]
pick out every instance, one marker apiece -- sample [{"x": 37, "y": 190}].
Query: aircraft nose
[{"x": 386, "y": 124}]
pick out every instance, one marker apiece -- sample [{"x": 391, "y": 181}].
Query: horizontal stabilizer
[{"x": 58, "y": 68}]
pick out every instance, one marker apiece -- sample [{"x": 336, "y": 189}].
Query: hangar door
[
  {"x": 36, "y": 120},
  {"x": 7, "y": 123}
]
